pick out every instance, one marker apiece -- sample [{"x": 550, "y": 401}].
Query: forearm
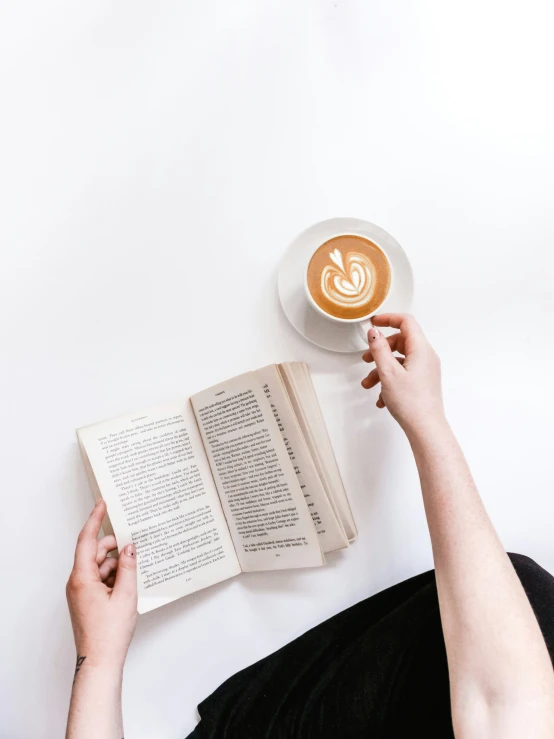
[
  {"x": 496, "y": 653},
  {"x": 95, "y": 708}
]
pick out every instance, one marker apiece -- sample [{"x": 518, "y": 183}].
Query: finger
[
  {"x": 392, "y": 342},
  {"x": 105, "y": 545},
  {"x": 87, "y": 543},
  {"x": 380, "y": 402},
  {"x": 403, "y": 321},
  {"x": 396, "y": 343},
  {"x": 110, "y": 581},
  {"x": 382, "y": 354},
  {"x": 107, "y": 568},
  {"x": 125, "y": 587},
  {"x": 373, "y": 378}
]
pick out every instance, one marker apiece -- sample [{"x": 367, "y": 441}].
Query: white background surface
[{"x": 155, "y": 161}]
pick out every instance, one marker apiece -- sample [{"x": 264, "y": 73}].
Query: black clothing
[{"x": 377, "y": 670}]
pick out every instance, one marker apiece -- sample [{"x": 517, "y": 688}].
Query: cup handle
[{"x": 363, "y": 328}]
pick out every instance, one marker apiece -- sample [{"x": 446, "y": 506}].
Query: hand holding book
[{"x": 241, "y": 478}]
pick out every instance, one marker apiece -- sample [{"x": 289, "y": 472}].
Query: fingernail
[
  {"x": 98, "y": 501},
  {"x": 130, "y": 550},
  {"x": 373, "y": 334}
]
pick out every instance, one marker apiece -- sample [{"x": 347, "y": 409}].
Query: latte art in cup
[
  {"x": 347, "y": 284},
  {"x": 348, "y": 277}
]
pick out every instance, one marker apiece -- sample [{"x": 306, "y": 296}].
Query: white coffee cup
[{"x": 363, "y": 323}]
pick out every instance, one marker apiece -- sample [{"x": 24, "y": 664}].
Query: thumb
[
  {"x": 385, "y": 360},
  {"x": 126, "y": 576}
]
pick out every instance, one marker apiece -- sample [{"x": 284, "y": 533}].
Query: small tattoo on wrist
[{"x": 80, "y": 660}]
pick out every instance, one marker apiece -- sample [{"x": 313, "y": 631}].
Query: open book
[{"x": 239, "y": 478}]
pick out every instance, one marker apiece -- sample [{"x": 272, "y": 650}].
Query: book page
[
  {"x": 308, "y": 411},
  {"x": 151, "y": 469},
  {"x": 331, "y": 532},
  {"x": 263, "y": 503}
]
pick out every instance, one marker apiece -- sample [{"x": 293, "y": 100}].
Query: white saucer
[{"x": 315, "y": 327}]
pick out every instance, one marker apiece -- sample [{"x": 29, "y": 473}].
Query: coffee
[{"x": 348, "y": 277}]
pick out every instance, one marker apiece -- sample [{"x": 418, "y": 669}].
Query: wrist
[
  {"x": 426, "y": 428},
  {"x": 101, "y": 660}
]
